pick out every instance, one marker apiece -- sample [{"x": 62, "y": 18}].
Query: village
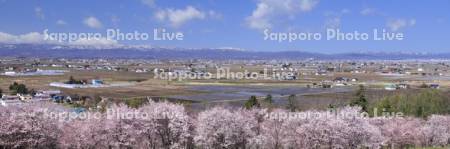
[{"x": 59, "y": 83}]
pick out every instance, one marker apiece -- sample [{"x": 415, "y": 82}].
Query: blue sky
[{"x": 239, "y": 23}]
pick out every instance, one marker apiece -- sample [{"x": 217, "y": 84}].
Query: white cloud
[
  {"x": 368, "y": 11},
  {"x": 215, "y": 15},
  {"x": 115, "y": 20},
  {"x": 345, "y": 11},
  {"x": 307, "y": 5},
  {"x": 397, "y": 24},
  {"x": 7, "y": 38},
  {"x": 33, "y": 37},
  {"x": 412, "y": 22},
  {"x": 92, "y": 22},
  {"x": 28, "y": 38},
  {"x": 268, "y": 10},
  {"x": 336, "y": 13},
  {"x": 372, "y": 12},
  {"x": 260, "y": 17},
  {"x": 333, "y": 18},
  {"x": 160, "y": 15},
  {"x": 39, "y": 13},
  {"x": 178, "y": 17},
  {"x": 61, "y": 22},
  {"x": 38, "y": 38},
  {"x": 150, "y": 3},
  {"x": 333, "y": 23}
]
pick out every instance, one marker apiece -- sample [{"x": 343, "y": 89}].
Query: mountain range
[{"x": 147, "y": 52}]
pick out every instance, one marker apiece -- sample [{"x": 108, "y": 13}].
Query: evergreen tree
[
  {"x": 268, "y": 99},
  {"x": 13, "y": 86},
  {"x": 252, "y": 102},
  {"x": 17, "y": 88},
  {"x": 71, "y": 80},
  {"x": 292, "y": 104},
  {"x": 331, "y": 106},
  {"x": 360, "y": 99},
  {"x": 22, "y": 89}
]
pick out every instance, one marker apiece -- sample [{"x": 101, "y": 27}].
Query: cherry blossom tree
[
  {"x": 101, "y": 130},
  {"x": 401, "y": 132},
  {"x": 27, "y": 127},
  {"x": 273, "y": 133},
  {"x": 221, "y": 128},
  {"x": 319, "y": 129},
  {"x": 166, "y": 125},
  {"x": 83, "y": 133},
  {"x": 156, "y": 125},
  {"x": 437, "y": 130}
]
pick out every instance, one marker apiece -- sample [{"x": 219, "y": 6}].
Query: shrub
[{"x": 422, "y": 104}]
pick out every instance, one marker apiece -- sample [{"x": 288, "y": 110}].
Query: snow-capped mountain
[{"x": 145, "y": 51}]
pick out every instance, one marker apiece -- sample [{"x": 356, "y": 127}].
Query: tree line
[{"x": 167, "y": 125}]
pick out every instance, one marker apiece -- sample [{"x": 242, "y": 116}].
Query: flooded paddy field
[{"x": 237, "y": 95}]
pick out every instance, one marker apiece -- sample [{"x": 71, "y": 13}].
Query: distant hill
[{"x": 142, "y": 52}]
